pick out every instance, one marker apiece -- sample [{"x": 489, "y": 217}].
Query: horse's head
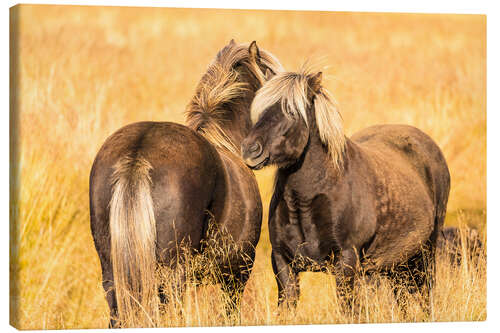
[
  {"x": 220, "y": 108},
  {"x": 285, "y": 111},
  {"x": 257, "y": 68}
]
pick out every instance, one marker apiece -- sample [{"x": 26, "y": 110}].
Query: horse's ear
[
  {"x": 253, "y": 52},
  {"x": 232, "y": 42},
  {"x": 315, "y": 82},
  {"x": 268, "y": 75}
]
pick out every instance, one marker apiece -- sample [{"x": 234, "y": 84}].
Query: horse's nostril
[{"x": 255, "y": 148}]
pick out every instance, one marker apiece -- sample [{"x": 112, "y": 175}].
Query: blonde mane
[
  {"x": 208, "y": 112},
  {"x": 291, "y": 89}
]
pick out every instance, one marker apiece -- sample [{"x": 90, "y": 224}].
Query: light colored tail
[{"x": 133, "y": 242}]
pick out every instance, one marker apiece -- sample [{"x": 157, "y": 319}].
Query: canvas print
[{"x": 215, "y": 167}]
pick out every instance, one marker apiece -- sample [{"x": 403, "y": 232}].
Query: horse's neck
[
  {"x": 315, "y": 172},
  {"x": 239, "y": 125}
]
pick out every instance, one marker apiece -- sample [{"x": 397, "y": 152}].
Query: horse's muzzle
[{"x": 253, "y": 156}]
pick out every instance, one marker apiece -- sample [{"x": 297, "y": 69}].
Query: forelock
[{"x": 287, "y": 88}]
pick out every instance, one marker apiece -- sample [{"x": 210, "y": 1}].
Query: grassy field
[{"x": 80, "y": 73}]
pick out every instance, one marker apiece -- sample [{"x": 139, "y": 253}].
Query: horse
[
  {"x": 374, "y": 202},
  {"x": 155, "y": 185}
]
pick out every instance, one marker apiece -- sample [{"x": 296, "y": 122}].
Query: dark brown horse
[
  {"x": 155, "y": 185},
  {"x": 372, "y": 202}
]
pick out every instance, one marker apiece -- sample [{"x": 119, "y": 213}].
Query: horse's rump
[
  {"x": 150, "y": 187},
  {"x": 185, "y": 170}
]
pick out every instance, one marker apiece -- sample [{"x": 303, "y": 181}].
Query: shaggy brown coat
[
  {"x": 155, "y": 186},
  {"x": 372, "y": 202}
]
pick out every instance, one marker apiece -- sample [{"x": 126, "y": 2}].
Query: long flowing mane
[
  {"x": 291, "y": 89},
  {"x": 210, "y": 109}
]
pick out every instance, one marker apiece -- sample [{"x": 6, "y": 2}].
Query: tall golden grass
[{"x": 80, "y": 73}]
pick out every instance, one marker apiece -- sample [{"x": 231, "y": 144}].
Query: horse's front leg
[
  {"x": 287, "y": 279},
  {"x": 345, "y": 273}
]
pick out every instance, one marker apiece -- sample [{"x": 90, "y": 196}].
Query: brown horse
[
  {"x": 372, "y": 202},
  {"x": 155, "y": 185}
]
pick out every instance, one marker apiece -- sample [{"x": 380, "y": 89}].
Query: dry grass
[{"x": 84, "y": 72}]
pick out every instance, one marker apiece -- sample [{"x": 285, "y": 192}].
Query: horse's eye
[
  {"x": 286, "y": 127},
  {"x": 288, "y": 112}
]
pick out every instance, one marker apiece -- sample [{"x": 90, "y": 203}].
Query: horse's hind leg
[
  {"x": 109, "y": 289},
  {"x": 233, "y": 286},
  {"x": 424, "y": 273},
  {"x": 415, "y": 276},
  {"x": 172, "y": 278},
  {"x": 173, "y": 287},
  {"x": 429, "y": 277},
  {"x": 102, "y": 244}
]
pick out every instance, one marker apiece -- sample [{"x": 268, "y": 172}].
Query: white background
[{"x": 421, "y": 6}]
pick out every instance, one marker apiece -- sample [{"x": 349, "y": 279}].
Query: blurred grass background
[{"x": 80, "y": 73}]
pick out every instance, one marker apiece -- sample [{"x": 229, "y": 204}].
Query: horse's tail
[{"x": 133, "y": 243}]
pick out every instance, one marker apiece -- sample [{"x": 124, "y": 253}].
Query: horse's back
[{"x": 183, "y": 171}]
